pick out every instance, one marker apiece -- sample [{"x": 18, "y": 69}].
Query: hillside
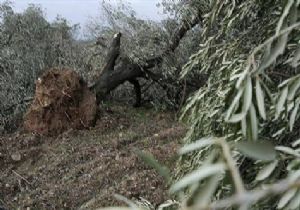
[{"x": 84, "y": 169}]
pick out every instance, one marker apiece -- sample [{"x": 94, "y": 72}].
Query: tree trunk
[{"x": 114, "y": 75}]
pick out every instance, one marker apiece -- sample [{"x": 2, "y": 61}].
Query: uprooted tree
[
  {"x": 62, "y": 100},
  {"x": 114, "y": 74}
]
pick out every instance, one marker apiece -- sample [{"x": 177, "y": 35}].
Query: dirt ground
[{"x": 84, "y": 169}]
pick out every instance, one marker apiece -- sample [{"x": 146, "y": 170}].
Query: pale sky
[{"x": 79, "y": 11}]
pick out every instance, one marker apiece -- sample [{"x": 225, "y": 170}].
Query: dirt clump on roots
[{"x": 62, "y": 101}]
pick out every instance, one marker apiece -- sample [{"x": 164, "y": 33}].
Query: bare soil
[{"x": 84, "y": 169}]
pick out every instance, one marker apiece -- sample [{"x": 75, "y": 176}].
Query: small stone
[{"x": 16, "y": 156}]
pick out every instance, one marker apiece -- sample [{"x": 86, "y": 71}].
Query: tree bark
[
  {"x": 114, "y": 75},
  {"x": 138, "y": 92}
]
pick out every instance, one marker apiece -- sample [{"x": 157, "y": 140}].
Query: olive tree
[{"x": 29, "y": 45}]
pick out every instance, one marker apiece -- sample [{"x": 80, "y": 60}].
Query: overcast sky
[{"x": 79, "y": 11}]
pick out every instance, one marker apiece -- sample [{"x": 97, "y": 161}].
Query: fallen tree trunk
[
  {"x": 63, "y": 100},
  {"x": 114, "y": 75}
]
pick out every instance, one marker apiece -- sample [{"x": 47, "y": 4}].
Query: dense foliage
[
  {"x": 242, "y": 149},
  {"x": 29, "y": 45},
  {"x": 247, "y": 115}
]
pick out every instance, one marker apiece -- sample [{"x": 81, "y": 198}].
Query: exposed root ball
[{"x": 62, "y": 101}]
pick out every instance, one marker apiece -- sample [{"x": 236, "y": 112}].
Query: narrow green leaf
[
  {"x": 151, "y": 161},
  {"x": 248, "y": 128},
  {"x": 293, "y": 89},
  {"x": 296, "y": 143},
  {"x": 279, "y": 132},
  {"x": 244, "y": 126},
  {"x": 259, "y": 150},
  {"x": 237, "y": 117},
  {"x": 295, "y": 202},
  {"x": 285, "y": 82},
  {"x": 130, "y": 203},
  {"x": 281, "y": 101},
  {"x": 267, "y": 52},
  {"x": 198, "y": 175},
  {"x": 293, "y": 115},
  {"x": 266, "y": 171},
  {"x": 268, "y": 93},
  {"x": 295, "y": 175},
  {"x": 293, "y": 14},
  {"x": 260, "y": 100},
  {"x": 203, "y": 197},
  {"x": 296, "y": 58},
  {"x": 203, "y": 142},
  {"x": 234, "y": 103},
  {"x": 254, "y": 123},
  {"x": 275, "y": 52},
  {"x": 294, "y": 164},
  {"x": 285, "y": 13},
  {"x": 287, "y": 150},
  {"x": 169, "y": 204},
  {"x": 287, "y": 196},
  {"x": 242, "y": 77},
  {"x": 247, "y": 95}
]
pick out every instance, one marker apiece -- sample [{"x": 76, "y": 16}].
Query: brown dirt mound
[{"x": 62, "y": 101}]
